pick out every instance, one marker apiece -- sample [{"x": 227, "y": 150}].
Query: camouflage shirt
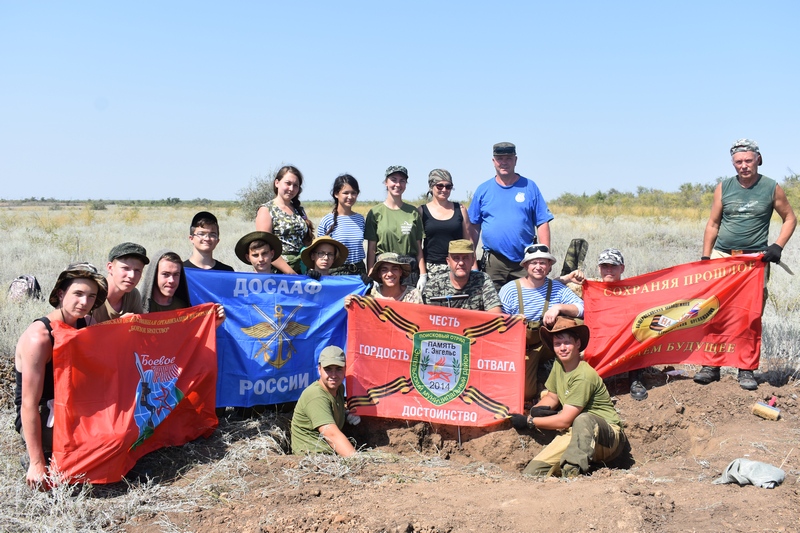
[{"x": 482, "y": 295}]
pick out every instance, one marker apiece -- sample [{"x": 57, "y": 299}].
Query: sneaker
[
  {"x": 747, "y": 380},
  {"x": 706, "y": 375},
  {"x": 570, "y": 471},
  {"x": 638, "y": 390}
]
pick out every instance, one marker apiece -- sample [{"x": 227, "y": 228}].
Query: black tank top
[
  {"x": 439, "y": 233},
  {"x": 48, "y": 388}
]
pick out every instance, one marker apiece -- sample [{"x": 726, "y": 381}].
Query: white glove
[
  {"x": 423, "y": 280},
  {"x": 353, "y": 419}
]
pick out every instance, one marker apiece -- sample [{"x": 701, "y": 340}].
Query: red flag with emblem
[
  {"x": 705, "y": 313},
  {"x": 130, "y": 386},
  {"x": 420, "y": 362}
]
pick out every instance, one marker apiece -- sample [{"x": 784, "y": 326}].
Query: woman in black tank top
[{"x": 443, "y": 220}]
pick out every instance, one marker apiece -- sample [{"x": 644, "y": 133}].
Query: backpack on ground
[{"x": 25, "y": 287}]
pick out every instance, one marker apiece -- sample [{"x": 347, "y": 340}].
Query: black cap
[{"x": 203, "y": 215}]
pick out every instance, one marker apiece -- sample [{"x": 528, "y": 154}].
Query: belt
[
  {"x": 503, "y": 258},
  {"x": 348, "y": 267},
  {"x": 739, "y": 252}
]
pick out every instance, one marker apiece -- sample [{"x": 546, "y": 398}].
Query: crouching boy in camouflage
[{"x": 590, "y": 428}]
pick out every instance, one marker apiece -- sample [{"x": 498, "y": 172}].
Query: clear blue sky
[{"x": 149, "y": 100}]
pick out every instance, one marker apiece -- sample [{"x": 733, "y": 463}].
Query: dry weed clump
[{"x": 170, "y": 480}]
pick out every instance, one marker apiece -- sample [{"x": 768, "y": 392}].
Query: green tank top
[{"x": 746, "y": 214}]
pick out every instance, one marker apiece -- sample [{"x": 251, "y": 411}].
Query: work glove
[
  {"x": 353, "y": 419},
  {"x": 519, "y": 421},
  {"x": 773, "y": 254},
  {"x": 423, "y": 280},
  {"x": 314, "y": 274},
  {"x": 366, "y": 280},
  {"x": 542, "y": 411}
]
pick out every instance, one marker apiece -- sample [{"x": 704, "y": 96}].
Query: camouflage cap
[
  {"x": 397, "y": 168},
  {"x": 129, "y": 249},
  {"x": 437, "y": 175},
  {"x": 610, "y": 256},
  {"x": 392, "y": 259},
  {"x": 331, "y": 356},
  {"x": 80, "y": 270},
  {"x": 504, "y": 149},
  {"x": 461, "y": 246},
  {"x": 747, "y": 145}
]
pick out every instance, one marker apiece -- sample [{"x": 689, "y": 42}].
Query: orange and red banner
[
  {"x": 705, "y": 313},
  {"x": 419, "y": 362},
  {"x": 130, "y": 386}
]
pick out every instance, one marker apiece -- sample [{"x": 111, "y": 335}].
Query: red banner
[
  {"x": 706, "y": 313},
  {"x": 130, "y": 386},
  {"x": 435, "y": 364}
]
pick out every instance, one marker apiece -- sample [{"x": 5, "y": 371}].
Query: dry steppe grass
[{"x": 221, "y": 469}]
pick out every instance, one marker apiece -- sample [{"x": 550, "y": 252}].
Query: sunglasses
[
  {"x": 444, "y": 186},
  {"x": 533, "y": 248}
]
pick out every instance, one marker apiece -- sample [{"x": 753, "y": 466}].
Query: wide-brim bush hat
[
  {"x": 341, "y": 251},
  {"x": 537, "y": 251},
  {"x": 243, "y": 246},
  {"x": 564, "y": 323},
  {"x": 389, "y": 258},
  {"x": 85, "y": 271}
]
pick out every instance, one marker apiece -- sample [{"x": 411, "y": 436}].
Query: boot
[
  {"x": 706, "y": 375},
  {"x": 747, "y": 380}
]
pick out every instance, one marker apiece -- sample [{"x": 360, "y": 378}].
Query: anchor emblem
[{"x": 270, "y": 331}]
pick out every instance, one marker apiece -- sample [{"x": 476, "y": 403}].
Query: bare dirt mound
[{"x": 419, "y": 478}]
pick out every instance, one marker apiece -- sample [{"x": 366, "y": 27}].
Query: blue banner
[{"x": 267, "y": 348}]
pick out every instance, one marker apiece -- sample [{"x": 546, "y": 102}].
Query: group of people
[{"x": 416, "y": 255}]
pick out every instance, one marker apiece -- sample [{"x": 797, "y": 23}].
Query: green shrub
[{"x": 258, "y": 191}]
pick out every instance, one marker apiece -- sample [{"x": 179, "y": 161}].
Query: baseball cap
[
  {"x": 747, "y": 145},
  {"x": 331, "y": 355},
  {"x": 504, "y": 149},
  {"x": 204, "y": 215},
  {"x": 129, "y": 249},
  {"x": 610, "y": 256},
  {"x": 461, "y": 246},
  {"x": 396, "y": 168}
]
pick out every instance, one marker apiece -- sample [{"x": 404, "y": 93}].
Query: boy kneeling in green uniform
[
  {"x": 590, "y": 426},
  {"x": 320, "y": 414}
]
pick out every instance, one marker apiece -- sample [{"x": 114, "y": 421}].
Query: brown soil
[
  {"x": 422, "y": 480},
  {"x": 682, "y": 437}
]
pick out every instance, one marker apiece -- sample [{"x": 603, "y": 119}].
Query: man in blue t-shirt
[{"x": 509, "y": 212}]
